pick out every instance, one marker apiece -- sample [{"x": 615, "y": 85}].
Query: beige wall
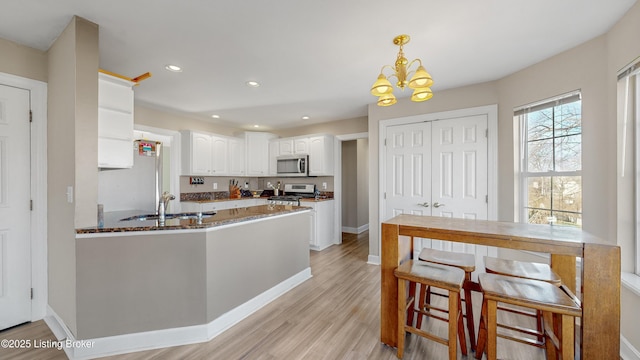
[
  {"x": 349, "y": 186},
  {"x": 152, "y": 117},
  {"x": 362, "y": 181},
  {"x": 23, "y": 61},
  {"x": 340, "y": 127}
]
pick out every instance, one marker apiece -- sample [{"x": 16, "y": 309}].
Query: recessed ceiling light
[
  {"x": 305, "y": 117},
  {"x": 252, "y": 84},
  {"x": 215, "y": 116},
  {"x": 256, "y": 126},
  {"x": 174, "y": 68}
]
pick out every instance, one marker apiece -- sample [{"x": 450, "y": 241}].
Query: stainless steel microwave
[{"x": 293, "y": 165}]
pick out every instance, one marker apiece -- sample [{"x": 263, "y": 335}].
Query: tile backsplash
[{"x": 254, "y": 183}]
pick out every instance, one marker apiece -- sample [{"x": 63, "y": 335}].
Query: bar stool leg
[
  {"x": 454, "y": 313},
  {"x": 412, "y": 293},
  {"x": 469, "y": 308},
  {"x": 482, "y": 331},
  {"x": 402, "y": 314},
  {"x": 492, "y": 329},
  {"x": 568, "y": 340}
]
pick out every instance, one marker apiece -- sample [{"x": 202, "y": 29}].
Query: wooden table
[{"x": 600, "y": 330}]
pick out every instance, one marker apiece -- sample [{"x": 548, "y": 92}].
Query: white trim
[
  {"x": 631, "y": 282},
  {"x": 38, "y": 231},
  {"x": 337, "y": 180},
  {"x": 373, "y": 260},
  {"x": 358, "y": 230},
  {"x": 149, "y": 340},
  {"x": 627, "y": 350},
  {"x": 492, "y": 151}
]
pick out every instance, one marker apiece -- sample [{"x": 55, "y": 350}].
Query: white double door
[
  {"x": 439, "y": 168},
  {"x": 15, "y": 263}
]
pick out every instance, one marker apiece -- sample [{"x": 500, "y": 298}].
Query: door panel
[
  {"x": 408, "y": 161},
  {"x": 15, "y": 261}
]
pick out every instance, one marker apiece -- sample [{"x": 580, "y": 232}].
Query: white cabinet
[
  {"x": 274, "y": 152},
  {"x": 322, "y": 224},
  {"x": 237, "y": 158},
  {"x": 257, "y": 150},
  {"x": 204, "y": 154},
  {"x": 219, "y": 155},
  {"x": 115, "y": 122},
  {"x": 286, "y": 147},
  {"x": 301, "y": 146},
  {"x": 321, "y": 155}
]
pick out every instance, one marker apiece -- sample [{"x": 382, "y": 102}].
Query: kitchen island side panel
[
  {"x": 130, "y": 284},
  {"x": 246, "y": 260}
]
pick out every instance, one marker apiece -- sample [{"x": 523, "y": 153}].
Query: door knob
[
  {"x": 437, "y": 204},
  {"x": 425, "y": 204}
]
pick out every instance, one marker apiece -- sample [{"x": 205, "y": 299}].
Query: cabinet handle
[
  {"x": 424, "y": 204},
  {"x": 437, "y": 204}
]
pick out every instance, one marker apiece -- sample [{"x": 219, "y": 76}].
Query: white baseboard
[
  {"x": 358, "y": 230},
  {"x": 627, "y": 351},
  {"x": 120, "y": 344},
  {"x": 373, "y": 260}
]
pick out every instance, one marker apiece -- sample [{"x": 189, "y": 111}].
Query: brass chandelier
[{"x": 420, "y": 82}]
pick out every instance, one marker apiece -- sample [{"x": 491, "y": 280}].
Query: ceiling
[{"x": 312, "y": 58}]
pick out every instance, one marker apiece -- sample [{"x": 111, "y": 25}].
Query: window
[
  {"x": 551, "y": 165},
  {"x": 628, "y": 186}
]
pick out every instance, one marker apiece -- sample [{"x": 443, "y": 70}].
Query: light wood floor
[{"x": 334, "y": 315}]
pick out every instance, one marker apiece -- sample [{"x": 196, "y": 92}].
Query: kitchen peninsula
[{"x": 144, "y": 285}]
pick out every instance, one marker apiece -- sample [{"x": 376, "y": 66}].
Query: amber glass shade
[
  {"x": 421, "y": 94},
  {"x": 387, "y": 100},
  {"x": 421, "y": 79},
  {"x": 382, "y": 86}
]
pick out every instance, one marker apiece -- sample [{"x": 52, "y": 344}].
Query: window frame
[{"x": 520, "y": 114}]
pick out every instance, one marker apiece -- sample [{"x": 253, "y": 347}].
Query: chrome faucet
[{"x": 162, "y": 205}]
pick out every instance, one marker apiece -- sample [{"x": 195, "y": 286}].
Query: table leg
[
  {"x": 601, "y": 302},
  {"x": 394, "y": 250}
]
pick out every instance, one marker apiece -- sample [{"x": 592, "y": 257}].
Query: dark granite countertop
[{"x": 113, "y": 222}]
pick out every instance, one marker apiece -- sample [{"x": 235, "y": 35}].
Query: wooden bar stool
[
  {"x": 443, "y": 277},
  {"x": 465, "y": 262},
  {"x": 553, "y": 301},
  {"x": 524, "y": 270}
]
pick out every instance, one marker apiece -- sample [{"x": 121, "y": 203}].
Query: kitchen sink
[{"x": 181, "y": 216}]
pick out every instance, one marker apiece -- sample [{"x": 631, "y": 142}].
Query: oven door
[{"x": 292, "y": 165}]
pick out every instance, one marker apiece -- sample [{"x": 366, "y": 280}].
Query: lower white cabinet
[{"x": 322, "y": 224}]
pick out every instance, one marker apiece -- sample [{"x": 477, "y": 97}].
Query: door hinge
[
  {"x": 486, "y": 199},
  {"x": 385, "y": 195},
  {"x": 31, "y": 205},
  {"x": 486, "y": 133},
  {"x": 31, "y": 294},
  {"x": 30, "y": 116},
  {"x": 385, "y": 142}
]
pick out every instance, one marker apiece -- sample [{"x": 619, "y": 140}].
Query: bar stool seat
[
  {"x": 533, "y": 294},
  {"x": 463, "y": 261},
  {"x": 524, "y": 270},
  {"x": 439, "y": 276},
  {"x": 521, "y": 269}
]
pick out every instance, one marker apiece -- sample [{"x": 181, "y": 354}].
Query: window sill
[{"x": 631, "y": 281}]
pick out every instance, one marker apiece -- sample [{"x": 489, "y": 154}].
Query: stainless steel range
[{"x": 293, "y": 194}]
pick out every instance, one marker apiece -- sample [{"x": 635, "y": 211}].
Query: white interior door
[
  {"x": 408, "y": 176},
  {"x": 15, "y": 260},
  {"x": 442, "y": 164}
]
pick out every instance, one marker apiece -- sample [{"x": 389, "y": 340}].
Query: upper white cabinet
[
  {"x": 301, "y": 146},
  {"x": 257, "y": 150},
  {"x": 204, "y": 154},
  {"x": 237, "y": 160},
  {"x": 115, "y": 122},
  {"x": 321, "y": 155},
  {"x": 274, "y": 152}
]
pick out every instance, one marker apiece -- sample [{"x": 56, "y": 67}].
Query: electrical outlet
[
  {"x": 70, "y": 194},
  {"x": 324, "y": 186},
  {"x": 215, "y": 186}
]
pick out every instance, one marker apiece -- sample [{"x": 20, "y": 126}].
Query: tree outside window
[{"x": 551, "y": 161}]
